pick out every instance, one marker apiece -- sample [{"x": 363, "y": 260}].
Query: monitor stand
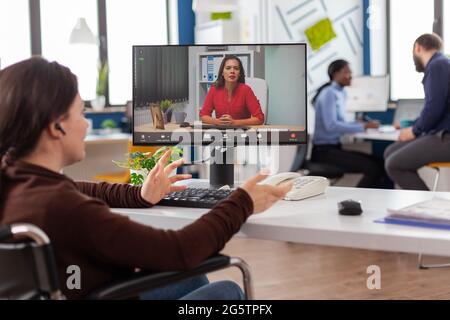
[{"x": 221, "y": 169}]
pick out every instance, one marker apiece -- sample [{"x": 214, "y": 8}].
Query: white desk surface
[
  {"x": 374, "y": 134},
  {"x": 316, "y": 221},
  {"x": 108, "y": 138}
]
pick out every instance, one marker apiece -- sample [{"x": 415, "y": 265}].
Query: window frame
[
  {"x": 438, "y": 28},
  {"x": 36, "y": 38},
  {"x": 36, "y": 35}
]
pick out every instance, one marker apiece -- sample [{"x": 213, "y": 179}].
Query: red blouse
[{"x": 243, "y": 104}]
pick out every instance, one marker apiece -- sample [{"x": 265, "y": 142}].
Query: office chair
[
  {"x": 310, "y": 168},
  {"x": 436, "y": 166},
  {"x": 28, "y": 270}
]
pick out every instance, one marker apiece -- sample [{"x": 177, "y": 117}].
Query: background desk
[
  {"x": 428, "y": 175},
  {"x": 107, "y": 139},
  {"x": 316, "y": 221},
  {"x": 100, "y": 151},
  {"x": 374, "y": 134}
]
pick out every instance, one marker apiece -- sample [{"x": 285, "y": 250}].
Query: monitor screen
[
  {"x": 238, "y": 94},
  {"x": 368, "y": 94}
]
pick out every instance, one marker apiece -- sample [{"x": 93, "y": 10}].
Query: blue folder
[{"x": 414, "y": 223}]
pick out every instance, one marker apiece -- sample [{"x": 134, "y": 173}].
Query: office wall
[
  {"x": 286, "y": 94},
  {"x": 377, "y": 25},
  {"x": 282, "y": 21},
  {"x": 192, "y": 106}
]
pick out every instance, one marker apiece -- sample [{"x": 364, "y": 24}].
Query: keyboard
[
  {"x": 195, "y": 198},
  {"x": 386, "y": 129}
]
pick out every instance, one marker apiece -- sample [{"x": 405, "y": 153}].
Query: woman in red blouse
[{"x": 232, "y": 100}]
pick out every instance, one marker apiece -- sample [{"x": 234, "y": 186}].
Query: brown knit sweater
[{"x": 84, "y": 232}]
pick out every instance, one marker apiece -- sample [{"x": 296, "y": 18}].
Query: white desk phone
[{"x": 304, "y": 186}]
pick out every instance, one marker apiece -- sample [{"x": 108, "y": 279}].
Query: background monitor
[
  {"x": 368, "y": 94},
  {"x": 408, "y": 109},
  {"x": 180, "y": 77}
]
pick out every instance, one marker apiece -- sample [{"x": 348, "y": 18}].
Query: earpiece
[{"x": 58, "y": 127}]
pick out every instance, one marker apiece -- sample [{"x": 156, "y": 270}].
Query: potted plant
[
  {"x": 166, "y": 110},
  {"x": 141, "y": 163},
  {"x": 108, "y": 126},
  {"x": 98, "y": 104}
]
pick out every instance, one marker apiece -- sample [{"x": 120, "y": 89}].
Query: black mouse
[
  {"x": 350, "y": 208},
  {"x": 185, "y": 125}
]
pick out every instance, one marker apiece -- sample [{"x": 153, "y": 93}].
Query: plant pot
[
  {"x": 98, "y": 104},
  {"x": 167, "y": 116},
  {"x": 180, "y": 117}
]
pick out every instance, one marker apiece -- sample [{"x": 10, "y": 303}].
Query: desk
[
  {"x": 316, "y": 221},
  {"x": 427, "y": 174},
  {"x": 107, "y": 138},
  {"x": 100, "y": 151},
  {"x": 374, "y": 134}
]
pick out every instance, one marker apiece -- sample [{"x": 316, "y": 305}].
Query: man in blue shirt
[
  {"x": 428, "y": 140},
  {"x": 329, "y": 104}
]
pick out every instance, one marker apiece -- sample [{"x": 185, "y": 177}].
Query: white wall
[
  {"x": 286, "y": 97},
  {"x": 173, "y": 21},
  {"x": 283, "y": 21},
  {"x": 378, "y": 36},
  {"x": 192, "y": 106}
]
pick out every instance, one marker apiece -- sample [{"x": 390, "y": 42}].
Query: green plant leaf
[
  {"x": 165, "y": 104},
  {"x": 108, "y": 124},
  {"x": 147, "y": 161},
  {"x": 102, "y": 78},
  {"x": 137, "y": 179}
]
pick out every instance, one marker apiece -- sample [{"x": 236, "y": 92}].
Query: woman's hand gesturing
[{"x": 158, "y": 183}]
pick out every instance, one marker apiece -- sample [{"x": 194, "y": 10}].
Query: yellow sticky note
[{"x": 320, "y": 34}]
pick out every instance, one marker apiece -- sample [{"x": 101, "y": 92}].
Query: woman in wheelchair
[
  {"x": 233, "y": 102},
  {"x": 42, "y": 130}
]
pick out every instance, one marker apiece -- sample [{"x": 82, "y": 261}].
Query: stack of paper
[{"x": 433, "y": 213}]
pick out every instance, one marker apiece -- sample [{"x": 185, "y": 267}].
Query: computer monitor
[
  {"x": 171, "y": 85},
  {"x": 408, "y": 109},
  {"x": 368, "y": 94}
]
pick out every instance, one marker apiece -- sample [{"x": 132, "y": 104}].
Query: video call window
[{"x": 254, "y": 91}]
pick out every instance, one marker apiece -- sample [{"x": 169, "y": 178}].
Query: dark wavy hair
[
  {"x": 220, "y": 82},
  {"x": 33, "y": 93},
  {"x": 333, "y": 68},
  {"x": 430, "y": 41}
]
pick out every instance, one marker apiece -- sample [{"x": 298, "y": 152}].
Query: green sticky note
[
  {"x": 221, "y": 16},
  {"x": 320, "y": 34}
]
